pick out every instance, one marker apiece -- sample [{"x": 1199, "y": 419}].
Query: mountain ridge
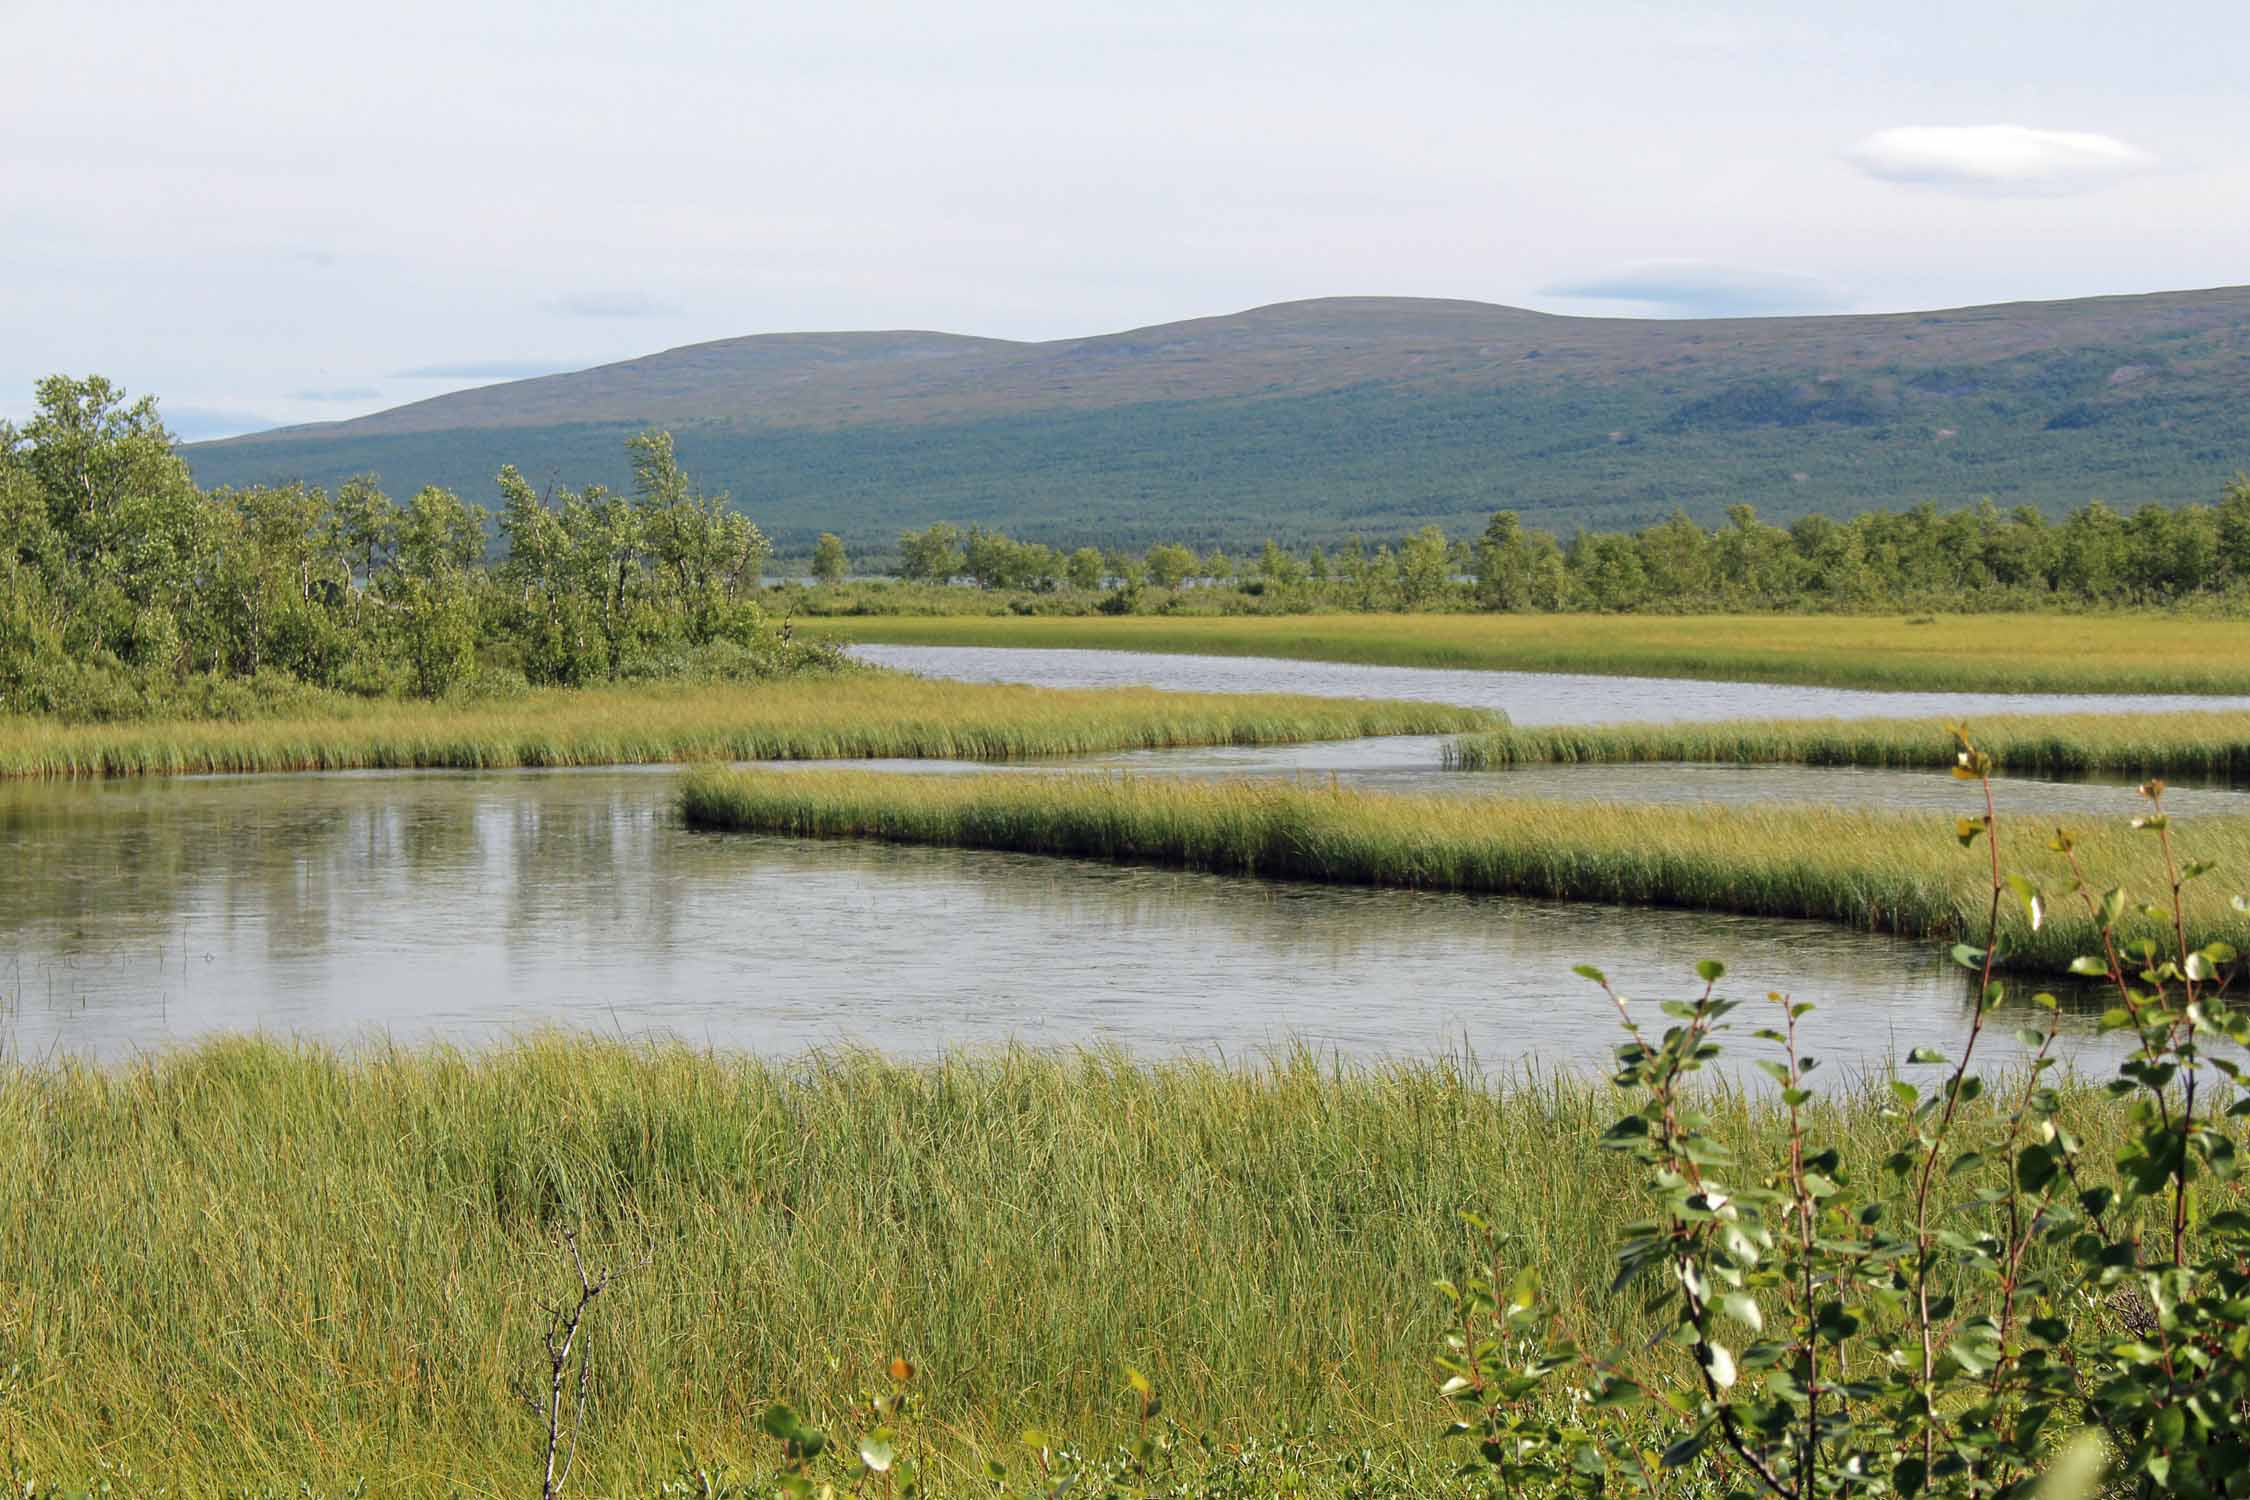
[{"x": 1223, "y": 420}]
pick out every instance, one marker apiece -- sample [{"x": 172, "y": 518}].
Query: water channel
[
  {"x": 1526, "y": 697},
  {"x": 469, "y": 907}
]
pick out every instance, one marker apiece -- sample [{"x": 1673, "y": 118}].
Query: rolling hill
[{"x": 1310, "y": 420}]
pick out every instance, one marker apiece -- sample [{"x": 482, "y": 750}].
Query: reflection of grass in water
[
  {"x": 852, "y": 715},
  {"x": 1990, "y": 653},
  {"x": 2052, "y": 744},
  {"x": 1878, "y": 871},
  {"x": 248, "y": 1265}
]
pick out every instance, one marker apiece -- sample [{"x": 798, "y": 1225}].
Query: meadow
[
  {"x": 849, "y": 714},
  {"x": 2175, "y": 744},
  {"x": 1965, "y": 653},
  {"x": 247, "y": 1268},
  {"x": 1883, "y": 872}
]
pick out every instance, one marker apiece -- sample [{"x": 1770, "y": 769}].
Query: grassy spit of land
[
  {"x": 1983, "y": 653},
  {"x": 244, "y": 1267},
  {"x": 2212, "y": 744},
  {"x": 847, "y": 715},
  {"x": 1879, "y": 871}
]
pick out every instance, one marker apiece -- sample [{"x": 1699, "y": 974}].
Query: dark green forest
[{"x": 2048, "y": 431}]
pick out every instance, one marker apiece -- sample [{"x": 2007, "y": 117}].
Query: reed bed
[
  {"x": 1884, "y": 872},
  {"x": 852, "y": 715},
  {"x": 2173, "y": 744},
  {"x": 246, "y": 1267},
  {"x": 1966, "y": 653}
]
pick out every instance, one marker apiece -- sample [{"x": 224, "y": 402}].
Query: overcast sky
[{"x": 291, "y": 212}]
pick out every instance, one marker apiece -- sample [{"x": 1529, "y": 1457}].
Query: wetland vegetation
[
  {"x": 847, "y": 715},
  {"x": 2174, "y": 744},
  {"x": 246, "y": 1267}
]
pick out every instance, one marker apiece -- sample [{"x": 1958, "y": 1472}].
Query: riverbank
[
  {"x": 2177, "y": 744},
  {"x": 1988, "y": 653},
  {"x": 849, "y": 715},
  {"x": 1880, "y": 872},
  {"x": 247, "y": 1267}
]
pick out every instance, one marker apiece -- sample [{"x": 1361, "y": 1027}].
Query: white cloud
[
  {"x": 1998, "y": 158},
  {"x": 1701, "y": 289}
]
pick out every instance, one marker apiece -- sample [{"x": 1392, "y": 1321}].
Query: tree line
[
  {"x": 120, "y": 577},
  {"x": 1979, "y": 557}
]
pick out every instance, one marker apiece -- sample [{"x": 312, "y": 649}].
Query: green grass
[
  {"x": 249, "y": 1266},
  {"x": 1884, "y": 872},
  {"x": 855, "y": 714},
  {"x": 1986, "y": 653},
  {"x": 2177, "y": 744}
]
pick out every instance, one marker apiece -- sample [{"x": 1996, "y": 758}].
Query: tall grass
[
  {"x": 1878, "y": 871},
  {"x": 249, "y": 1265},
  {"x": 1978, "y": 653},
  {"x": 858, "y": 714},
  {"x": 2211, "y": 744}
]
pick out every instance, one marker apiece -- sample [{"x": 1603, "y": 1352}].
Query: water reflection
[{"x": 472, "y": 906}]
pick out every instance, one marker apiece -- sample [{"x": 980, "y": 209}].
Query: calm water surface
[{"x": 471, "y": 906}]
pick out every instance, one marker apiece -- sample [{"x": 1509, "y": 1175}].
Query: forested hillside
[{"x": 1313, "y": 420}]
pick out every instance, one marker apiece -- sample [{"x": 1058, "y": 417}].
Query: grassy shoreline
[
  {"x": 851, "y": 715},
  {"x": 2212, "y": 743},
  {"x": 1987, "y": 653},
  {"x": 1884, "y": 872},
  {"x": 244, "y": 1267}
]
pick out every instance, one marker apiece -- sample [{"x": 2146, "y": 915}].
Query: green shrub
[{"x": 1837, "y": 1334}]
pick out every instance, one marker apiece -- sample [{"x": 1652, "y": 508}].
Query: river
[{"x": 470, "y": 907}]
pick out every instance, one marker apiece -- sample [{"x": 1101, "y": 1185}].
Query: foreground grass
[
  {"x": 2212, "y": 744},
  {"x": 1984, "y": 653},
  {"x": 245, "y": 1267},
  {"x": 853, "y": 714},
  {"x": 1884, "y": 872}
]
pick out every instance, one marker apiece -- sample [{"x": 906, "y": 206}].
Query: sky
[{"x": 276, "y": 213}]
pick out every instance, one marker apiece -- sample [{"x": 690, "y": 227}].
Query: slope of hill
[{"x": 1309, "y": 420}]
